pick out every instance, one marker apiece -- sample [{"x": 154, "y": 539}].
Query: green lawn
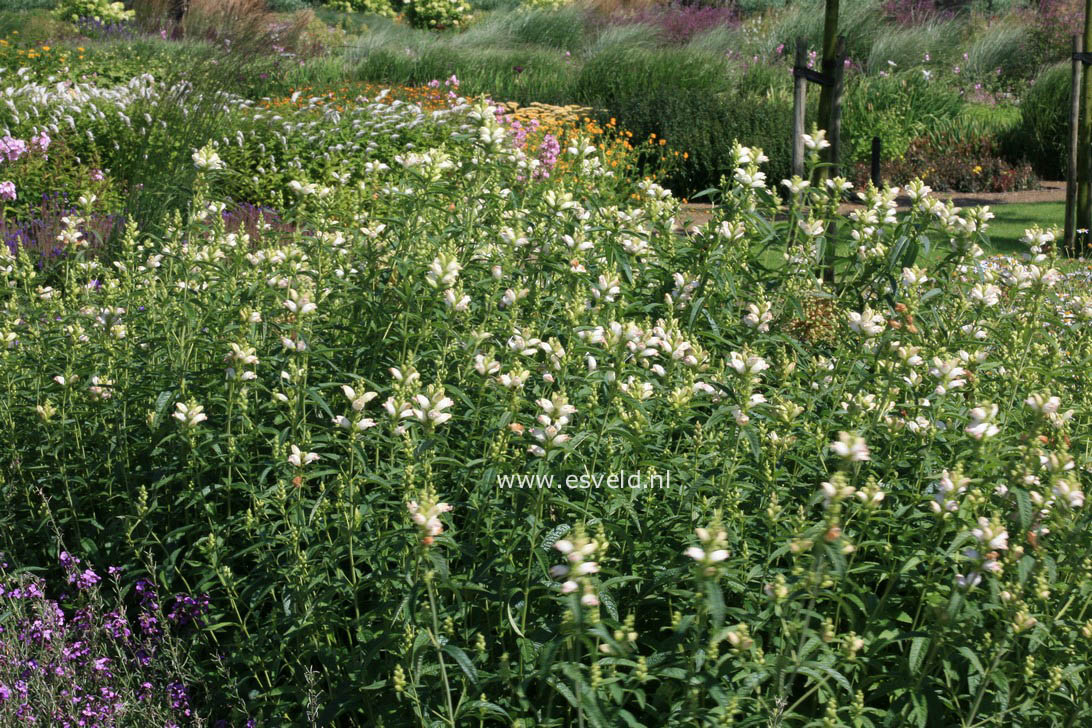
[{"x": 1010, "y": 222}]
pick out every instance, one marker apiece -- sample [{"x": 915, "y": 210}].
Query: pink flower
[
  {"x": 12, "y": 148},
  {"x": 163, "y": 34},
  {"x": 434, "y": 83},
  {"x": 96, "y": 175},
  {"x": 453, "y": 81},
  {"x": 42, "y": 141},
  {"x": 7, "y": 190}
]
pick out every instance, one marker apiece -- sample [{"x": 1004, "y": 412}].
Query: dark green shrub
[{"x": 1042, "y": 135}]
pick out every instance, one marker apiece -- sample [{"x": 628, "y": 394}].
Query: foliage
[
  {"x": 102, "y": 10},
  {"x": 897, "y": 108},
  {"x": 375, "y": 7},
  {"x": 436, "y": 14},
  {"x": 679, "y": 23},
  {"x": 1043, "y": 136},
  {"x": 80, "y": 657},
  {"x": 320, "y": 422},
  {"x": 954, "y": 160}
]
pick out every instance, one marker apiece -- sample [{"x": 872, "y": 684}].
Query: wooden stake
[
  {"x": 836, "y": 107},
  {"x": 1084, "y": 183},
  {"x": 799, "y": 108},
  {"x": 830, "y": 59},
  {"x": 1074, "y": 124},
  {"x": 877, "y": 150}
]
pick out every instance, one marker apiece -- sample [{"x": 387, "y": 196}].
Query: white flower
[
  {"x": 430, "y": 408},
  {"x": 1069, "y": 492},
  {"x": 357, "y": 401},
  {"x": 981, "y": 424},
  {"x": 812, "y": 228},
  {"x": 190, "y": 415},
  {"x": 817, "y": 141},
  {"x": 867, "y": 322},
  {"x": 1043, "y": 403},
  {"x": 850, "y": 447},
  {"x": 747, "y": 365},
  {"x": 206, "y": 158},
  {"x": 991, "y": 533},
  {"x": 427, "y": 518},
  {"x": 300, "y": 458}
]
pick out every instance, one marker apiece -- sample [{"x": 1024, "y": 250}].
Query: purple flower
[
  {"x": 7, "y": 190},
  {"x": 42, "y": 141},
  {"x": 5, "y": 693},
  {"x": 12, "y": 148},
  {"x": 96, "y": 175},
  {"x": 188, "y": 609}
]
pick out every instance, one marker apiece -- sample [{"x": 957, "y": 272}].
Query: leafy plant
[{"x": 101, "y": 10}]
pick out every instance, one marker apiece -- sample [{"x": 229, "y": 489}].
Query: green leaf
[{"x": 464, "y": 663}]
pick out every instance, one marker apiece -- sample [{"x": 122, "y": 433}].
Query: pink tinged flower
[
  {"x": 568, "y": 587},
  {"x": 589, "y": 600},
  {"x": 7, "y": 191},
  {"x": 12, "y": 148},
  {"x": 97, "y": 175}
]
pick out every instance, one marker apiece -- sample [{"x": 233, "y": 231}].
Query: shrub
[
  {"x": 896, "y": 108},
  {"x": 955, "y": 161},
  {"x": 374, "y": 7},
  {"x": 103, "y": 10},
  {"x": 1043, "y": 135},
  {"x": 436, "y": 14}
]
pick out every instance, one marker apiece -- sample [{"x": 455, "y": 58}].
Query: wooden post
[
  {"x": 830, "y": 59},
  {"x": 1084, "y": 183},
  {"x": 799, "y": 108},
  {"x": 877, "y": 150},
  {"x": 1074, "y": 122},
  {"x": 836, "y": 107}
]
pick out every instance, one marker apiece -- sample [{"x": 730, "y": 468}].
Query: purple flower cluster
[
  {"x": 188, "y": 609},
  {"x": 85, "y": 666},
  {"x": 39, "y": 235},
  {"x": 547, "y": 155},
  {"x": 679, "y": 23},
  {"x": 12, "y": 148}
]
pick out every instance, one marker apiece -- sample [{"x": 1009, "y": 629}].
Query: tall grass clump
[
  {"x": 907, "y": 47},
  {"x": 1004, "y": 45},
  {"x": 1043, "y": 133}
]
